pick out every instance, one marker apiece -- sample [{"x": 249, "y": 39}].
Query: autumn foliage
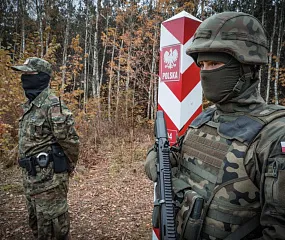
[{"x": 105, "y": 57}]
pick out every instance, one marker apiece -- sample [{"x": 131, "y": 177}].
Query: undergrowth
[{"x": 121, "y": 145}]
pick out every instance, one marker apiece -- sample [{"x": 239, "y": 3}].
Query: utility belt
[{"x": 56, "y": 155}]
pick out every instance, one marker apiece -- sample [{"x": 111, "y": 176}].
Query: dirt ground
[{"x": 107, "y": 201}]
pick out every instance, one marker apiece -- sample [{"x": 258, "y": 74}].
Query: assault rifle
[{"x": 164, "y": 185}]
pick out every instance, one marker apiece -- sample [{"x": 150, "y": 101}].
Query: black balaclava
[
  {"x": 218, "y": 84},
  {"x": 232, "y": 87},
  {"x": 34, "y": 84}
]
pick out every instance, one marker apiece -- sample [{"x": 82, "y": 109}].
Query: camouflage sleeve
[
  {"x": 272, "y": 165},
  {"x": 151, "y": 161},
  {"x": 64, "y": 132},
  {"x": 173, "y": 156}
]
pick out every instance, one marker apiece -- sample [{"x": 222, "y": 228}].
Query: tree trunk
[
  {"x": 132, "y": 132},
  {"x": 270, "y": 56},
  {"x": 89, "y": 58},
  {"x": 128, "y": 78},
  {"x": 261, "y": 68},
  {"x": 153, "y": 71},
  {"x": 47, "y": 7},
  {"x": 155, "y": 91},
  {"x": 279, "y": 48},
  {"x": 23, "y": 14},
  {"x": 95, "y": 76},
  {"x": 149, "y": 102},
  {"x": 118, "y": 83},
  {"x": 47, "y": 36},
  {"x": 104, "y": 54},
  {"x": 152, "y": 90},
  {"x": 85, "y": 60},
  {"x": 40, "y": 21},
  {"x": 129, "y": 68},
  {"x": 225, "y": 7},
  {"x": 202, "y": 9},
  {"x": 65, "y": 45},
  {"x": 96, "y": 40},
  {"x": 111, "y": 76},
  {"x": 152, "y": 100},
  {"x": 252, "y": 6}
]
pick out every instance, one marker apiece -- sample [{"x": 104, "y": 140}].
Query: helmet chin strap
[{"x": 246, "y": 74}]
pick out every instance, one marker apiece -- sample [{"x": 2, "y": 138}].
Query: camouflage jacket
[
  {"x": 262, "y": 163},
  {"x": 44, "y": 122}
]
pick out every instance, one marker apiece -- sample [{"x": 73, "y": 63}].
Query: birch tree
[
  {"x": 96, "y": 85},
  {"x": 23, "y": 27},
  {"x": 48, "y": 6},
  {"x": 261, "y": 68},
  {"x": 253, "y": 2},
  {"x": 39, "y": 8},
  {"x": 279, "y": 48},
  {"x": 111, "y": 73},
  {"x": 152, "y": 91},
  {"x": 104, "y": 52},
  {"x": 129, "y": 68},
  {"x": 153, "y": 70},
  {"x": 85, "y": 82},
  {"x": 150, "y": 99},
  {"x": 65, "y": 43},
  {"x": 118, "y": 82},
  {"x": 270, "y": 55}
]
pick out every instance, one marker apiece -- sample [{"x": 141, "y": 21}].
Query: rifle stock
[{"x": 164, "y": 183}]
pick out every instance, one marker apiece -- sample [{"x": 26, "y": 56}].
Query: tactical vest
[{"x": 212, "y": 165}]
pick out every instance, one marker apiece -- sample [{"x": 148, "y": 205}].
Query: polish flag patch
[{"x": 283, "y": 147}]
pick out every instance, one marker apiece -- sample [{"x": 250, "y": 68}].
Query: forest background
[{"x": 105, "y": 57}]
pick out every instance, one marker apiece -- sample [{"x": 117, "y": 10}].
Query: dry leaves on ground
[{"x": 106, "y": 202}]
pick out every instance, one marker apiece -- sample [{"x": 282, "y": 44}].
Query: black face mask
[
  {"x": 34, "y": 84},
  {"x": 218, "y": 84}
]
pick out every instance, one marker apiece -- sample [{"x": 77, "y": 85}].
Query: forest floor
[{"x": 108, "y": 200}]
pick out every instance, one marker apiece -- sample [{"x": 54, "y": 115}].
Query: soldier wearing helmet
[
  {"x": 229, "y": 168},
  {"x": 48, "y": 150}
]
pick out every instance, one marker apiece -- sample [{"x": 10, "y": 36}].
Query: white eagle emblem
[{"x": 170, "y": 58}]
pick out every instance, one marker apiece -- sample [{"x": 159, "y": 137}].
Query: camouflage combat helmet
[
  {"x": 238, "y": 34},
  {"x": 34, "y": 64}
]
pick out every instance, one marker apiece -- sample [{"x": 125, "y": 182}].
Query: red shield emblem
[{"x": 170, "y": 63}]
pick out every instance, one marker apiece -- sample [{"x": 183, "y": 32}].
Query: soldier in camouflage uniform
[
  {"x": 48, "y": 149},
  {"x": 232, "y": 157}
]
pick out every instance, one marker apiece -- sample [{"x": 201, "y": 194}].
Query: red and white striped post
[{"x": 180, "y": 91}]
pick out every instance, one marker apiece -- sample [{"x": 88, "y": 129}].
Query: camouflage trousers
[{"x": 48, "y": 214}]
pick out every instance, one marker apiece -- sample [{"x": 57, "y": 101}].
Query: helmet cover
[{"x": 238, "y": 34}]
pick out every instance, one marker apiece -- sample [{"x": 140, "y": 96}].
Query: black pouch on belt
[
  {"x": 60, "y": 161},
  {"x": 29, "y": 164},
  {"x": 192, "y": 221}
]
